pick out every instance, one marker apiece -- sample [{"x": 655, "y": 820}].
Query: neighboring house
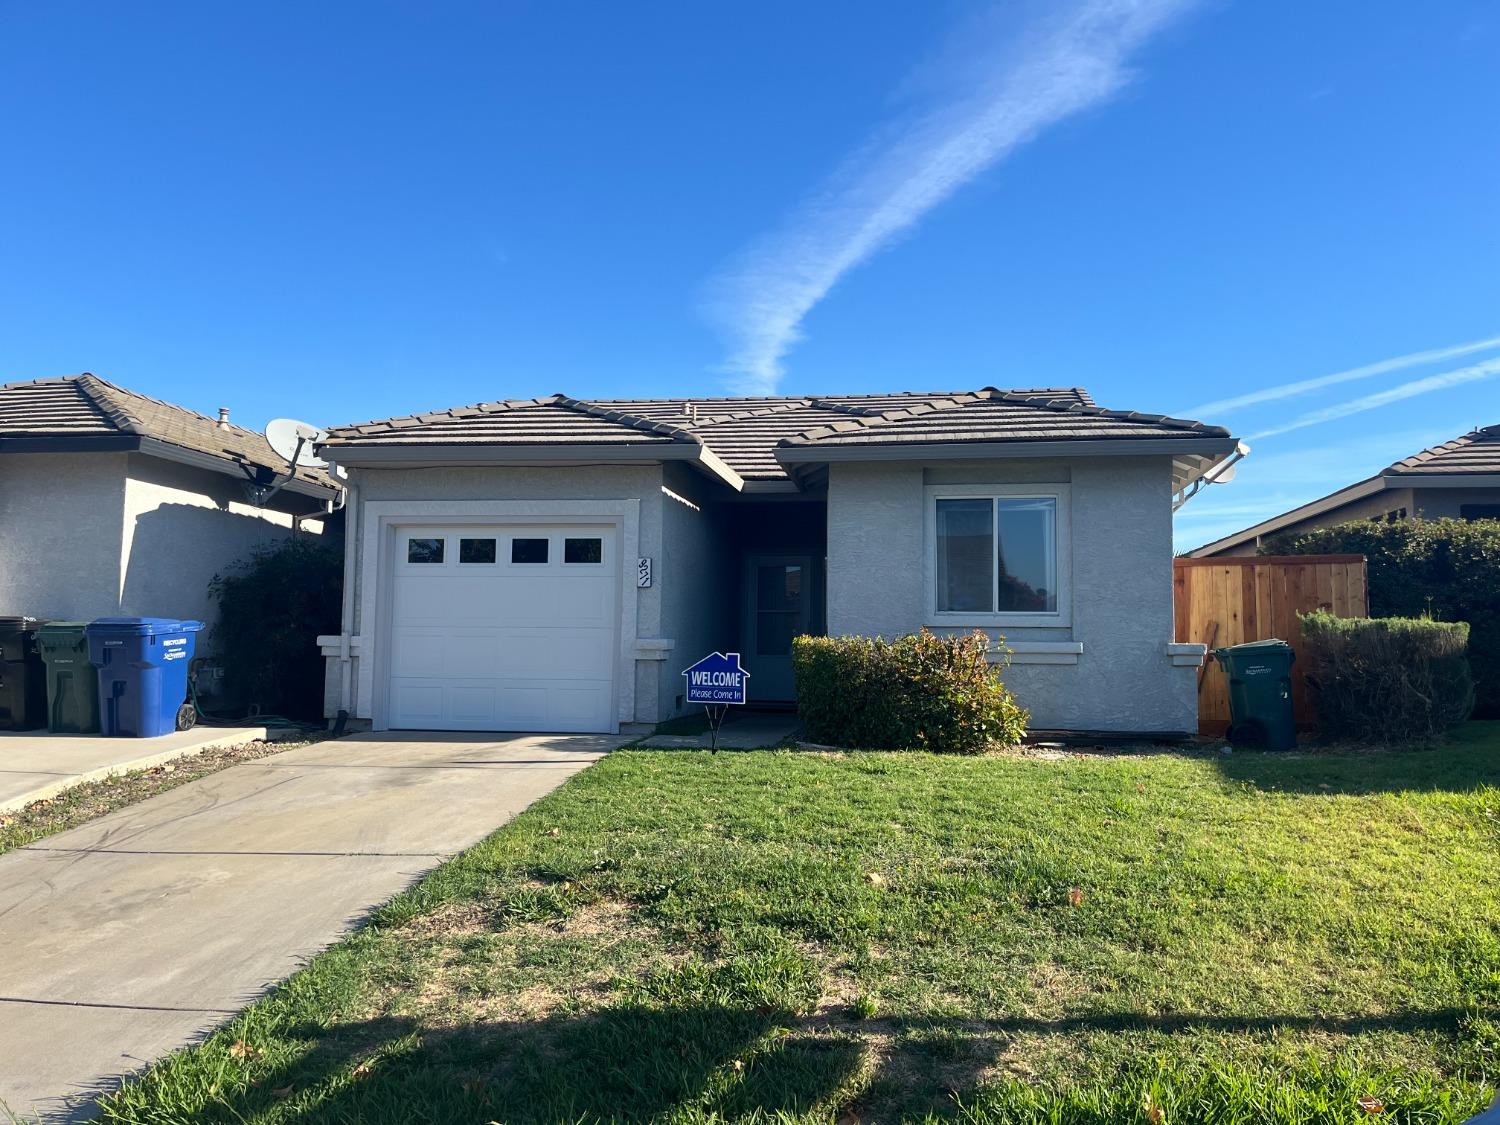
[
  {"x": 1460, "y": 478},
  {"x": 115, "y": 503},
  {"x": 553, "y": 564}
]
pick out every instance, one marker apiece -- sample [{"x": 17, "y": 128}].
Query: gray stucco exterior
[
  {"x": 85, "y": 535},
  {"x": 1113, "y": 667}
]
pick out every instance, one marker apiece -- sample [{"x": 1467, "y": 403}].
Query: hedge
[
  {"x": 1387, "y": 679},
  {"x": 921, "y": 691},
  {"x": 272, "y": 607},
  {"x": 1446, "y": 569}
]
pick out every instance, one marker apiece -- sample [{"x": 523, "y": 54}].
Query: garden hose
[{"x": 276, "y": 722}]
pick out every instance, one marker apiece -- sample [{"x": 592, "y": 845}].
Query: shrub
[
  {"x": 920, "y": 691},
  {"x": 1448, "y": 569},
  {"x": 1387, "y": 679},
  {"x": 272, "y": 607}
]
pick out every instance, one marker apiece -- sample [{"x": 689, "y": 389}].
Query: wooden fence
[{"x": 1233, "y": 599}]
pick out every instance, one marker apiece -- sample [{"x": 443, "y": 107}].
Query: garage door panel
[{"x": 503, "y": 646}]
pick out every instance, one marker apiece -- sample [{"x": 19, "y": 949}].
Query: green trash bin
[
  {"x": 1260, "y": 694},
  {"x": 72, "y": 681}
]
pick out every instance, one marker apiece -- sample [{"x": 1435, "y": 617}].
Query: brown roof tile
[
  {"x": 1477, "y": 451},
  {"x": 86, "y": 405}
]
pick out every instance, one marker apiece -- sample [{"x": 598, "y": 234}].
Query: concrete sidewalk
[
  {"x": 131, "y": 936},
  {"x": 35, "y": 765}
]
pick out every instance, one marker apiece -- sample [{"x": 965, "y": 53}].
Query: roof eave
[
  {"x": 388, "y": 454},
  {"x": 814, "y": 452}
]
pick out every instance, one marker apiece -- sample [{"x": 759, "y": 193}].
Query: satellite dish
[
  {"x": 294, "y": 440},
  {"x": 1224, "y": 476}
]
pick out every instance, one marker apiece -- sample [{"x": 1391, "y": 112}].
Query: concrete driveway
[{"x": 131, "y": 936}]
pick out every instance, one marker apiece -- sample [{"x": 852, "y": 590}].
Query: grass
[
  {"x": 80, "y": 804},
  {"x": 800, "y": 936}
]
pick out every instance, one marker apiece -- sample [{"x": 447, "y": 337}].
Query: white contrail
[
  {"x": 1302, "y": 387},
  {"x": 1472, "y": 374},
  {"x": 1071, "y": 58}
]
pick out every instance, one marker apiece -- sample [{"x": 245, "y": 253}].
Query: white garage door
[{"x": 503, "y": 628}]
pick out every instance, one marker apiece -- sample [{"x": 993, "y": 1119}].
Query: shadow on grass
[{"x": 640, "y": 1064}]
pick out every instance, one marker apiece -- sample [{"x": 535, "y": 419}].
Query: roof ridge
[
  {"x": 782, "y": 407},
  {"x": 99, "y": 392},
  {"x": 635, "y": 422},
  {"x": 1432, "y": 452},
  {"x": 207, "y": 419},
  {"x": 402, "y": 421},
  {"x": 843, "y": 407},
  {"x": 992, "y": 394}
]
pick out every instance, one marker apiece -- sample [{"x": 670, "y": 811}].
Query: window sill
[{"x": 999, "y": 621}]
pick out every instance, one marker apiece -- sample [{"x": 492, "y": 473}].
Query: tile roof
[
  {"x": 745, "y": 432},
  {"x": 87, "y": 406},
  {"x": 1477, "y": 451}
]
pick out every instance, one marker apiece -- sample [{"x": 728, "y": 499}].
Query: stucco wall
[
  {"x": 1434, "y": 503},
  {"x": 85, "y": 535},
  {"x": 695, "y": 578},
  {"x": 572, "y": 483},
  {"x": 182, "y": 526},
  {"x": 1121, "y": 576},
  {"x": 60, "y": 526}
]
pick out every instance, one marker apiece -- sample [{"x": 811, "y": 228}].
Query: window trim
[{"x": 1062, "y": 618}]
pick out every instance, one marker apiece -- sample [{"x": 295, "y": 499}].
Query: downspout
[{"x": 346, "y": 632}]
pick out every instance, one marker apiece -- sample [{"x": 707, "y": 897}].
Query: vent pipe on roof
[{"x": 223, "y": 417}]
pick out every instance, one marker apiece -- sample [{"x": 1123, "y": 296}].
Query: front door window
[{"x": 780, "y": 607}]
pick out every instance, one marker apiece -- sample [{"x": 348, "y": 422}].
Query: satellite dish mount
[{"x": 293, "y": 441}]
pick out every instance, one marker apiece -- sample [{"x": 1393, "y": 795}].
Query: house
[
  {"x": 115, "y": 503},
  {"x": 1460, "y": 478},
  {"x": 554, "y": 564}
]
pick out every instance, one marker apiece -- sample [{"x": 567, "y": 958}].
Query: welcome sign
[{"x": 717, "y": 680}]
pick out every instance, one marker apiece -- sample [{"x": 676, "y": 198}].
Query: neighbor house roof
[
  {"x": 756, "y": 438},
  {"x": 1469, "y": 461},
  {"x": 81, "y": 413}
]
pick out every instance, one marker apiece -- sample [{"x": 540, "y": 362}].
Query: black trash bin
[
  {"x": 1260, "y": 693},
  {"x": 23, "y": 677},
  {"x": 72, "y": 682}
]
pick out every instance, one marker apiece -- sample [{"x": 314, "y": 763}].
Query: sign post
[{"x": 718, "y": 682}]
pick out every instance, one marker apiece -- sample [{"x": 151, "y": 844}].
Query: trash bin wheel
[
  {"x": 1247, "y": 733},
  {"x": 187, "y": 717}
]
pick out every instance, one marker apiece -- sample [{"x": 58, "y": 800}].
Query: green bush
[
  {"x": 1387, "y": 679},
  {"x": 1448, "y": 569},
  {"x": 272, "y": 607},
  {"x": 917, "y": 692}
]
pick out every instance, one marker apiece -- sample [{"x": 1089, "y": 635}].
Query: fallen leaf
[
  {"x": 239, "y": 1049},
  {"x": 1075, "y": 896},
  {"x": 1154, "y": 1113},
  {"x": 1371, "y": 1104},
  {"x": 363, "y": 1070},
  {"x": 553, "y": 832},
  {"x": 875, "y": 878},
  {"x": 169, "y": 768},
  {"x": 737, "y": 1066}
]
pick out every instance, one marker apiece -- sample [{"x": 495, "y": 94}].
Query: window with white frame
[{"x": 998, "y": 554}]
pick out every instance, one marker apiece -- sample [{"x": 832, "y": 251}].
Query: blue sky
[{"x": 345, "y": 211}]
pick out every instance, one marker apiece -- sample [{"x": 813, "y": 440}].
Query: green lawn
[{"x": 872, "y": 937}]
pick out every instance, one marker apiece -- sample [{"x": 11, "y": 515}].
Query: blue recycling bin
[{"x": 143, "y": 672}]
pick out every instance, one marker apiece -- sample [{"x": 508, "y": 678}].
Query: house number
[{"x": 643, "y": 572}]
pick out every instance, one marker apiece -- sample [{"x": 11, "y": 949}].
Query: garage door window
[
  {"x": 583, "y": 550},
  {"x": 424, "y": 550},
  {"x": 528, "y": 550},
  {"x": 476, "y": 550}
]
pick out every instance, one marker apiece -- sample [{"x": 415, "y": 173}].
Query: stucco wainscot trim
[
  {"x": 1035, "y": 652},
  {"x": 380, "y": 518},
  {"x": 1186, "y": 655}
]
